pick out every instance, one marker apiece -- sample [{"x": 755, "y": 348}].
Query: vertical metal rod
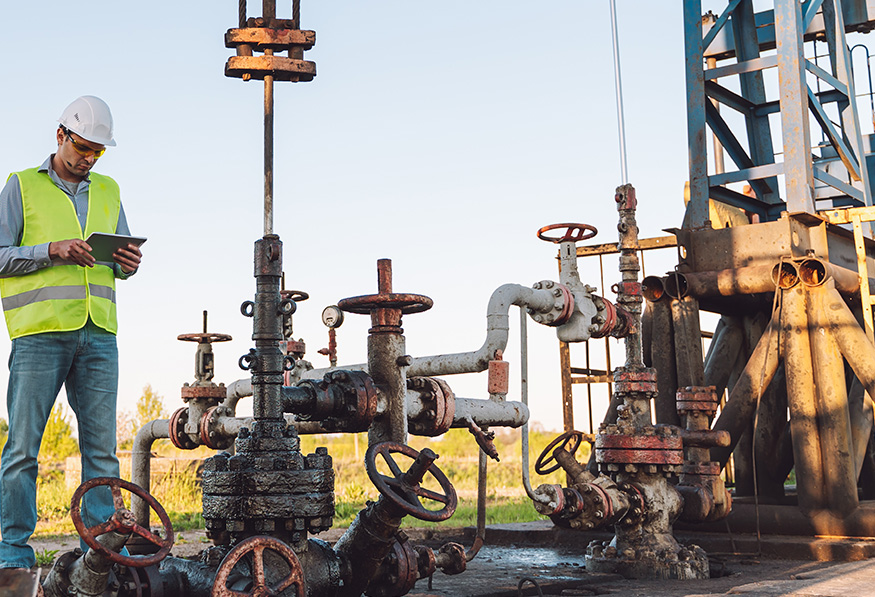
[
  {"x": 719, "y": 165},
  {"x": 524, "y": 396},
  {"x": 269, "y": 11},
  {"x": 241, "y": 13},
  {"x": 567, "y": 387},
  {"x": 268, "y": 154},
  {"x": 589, "y": 388},
  {"x": 621, "y": 125}
]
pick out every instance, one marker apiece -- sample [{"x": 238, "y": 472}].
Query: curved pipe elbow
[{"x": 497, "y": 328}]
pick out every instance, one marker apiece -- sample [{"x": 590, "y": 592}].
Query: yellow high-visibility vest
[{"x": 60, "y": 298}]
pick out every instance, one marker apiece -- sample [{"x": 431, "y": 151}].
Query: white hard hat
[{"x": 90, "y": 118}]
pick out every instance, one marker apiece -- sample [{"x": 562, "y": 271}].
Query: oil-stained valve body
[{"x": 269, "y": 487}]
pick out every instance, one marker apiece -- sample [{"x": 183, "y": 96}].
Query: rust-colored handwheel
[
  {"x": 122, "y": 521},
  {"x": 573, "y": 232},
  {"x": 403, "y": 490},
  {"x": 256, "y": 546},
  {"x": 294, "y": 295},
  {"x": 406, "y": 303},
  {"x": 204, "y": 337},
  {"x": 568, "y": 441}
]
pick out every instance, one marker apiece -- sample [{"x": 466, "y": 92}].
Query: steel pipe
[
  {"x": 815, "y": 272},
  {"x": 497, "y": 327},
  {"x": 834, "y": 420},
  {"x": 723, "y": 353},
  {"x": 753, "y": 381},
  {"x": 802, "y": 399},
  {"x": 860, "y": 354},
  {"x": 141, "y": 464}
]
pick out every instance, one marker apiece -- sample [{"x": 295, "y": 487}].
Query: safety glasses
[{"x": 84, "y": 150}]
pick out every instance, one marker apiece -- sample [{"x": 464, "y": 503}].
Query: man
[{"x": 59, "y": 306}]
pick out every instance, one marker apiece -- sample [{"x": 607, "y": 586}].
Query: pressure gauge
[{"x": 332, "y": 316}]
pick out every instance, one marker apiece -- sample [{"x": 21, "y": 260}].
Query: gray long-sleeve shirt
[{"x": 15, "y": 259}]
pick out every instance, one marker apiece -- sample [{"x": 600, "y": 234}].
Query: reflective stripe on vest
[
  {"x": 61, "y": 297},
  {"x": 55, "y": 293}
]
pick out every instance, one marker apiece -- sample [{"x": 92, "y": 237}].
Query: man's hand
[
  {"x": 75, "y": 251},
  {"x": 128, "y": 258}
]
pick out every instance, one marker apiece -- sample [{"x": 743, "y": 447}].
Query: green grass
[{"x": 180, "y": 495}]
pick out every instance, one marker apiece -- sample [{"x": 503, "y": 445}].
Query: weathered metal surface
[
  {"x": 122, "y": 522},
  {"x": 260, "y": 38},
  {"x": 437, "y": 407},
  {"x": 828, "y": 366},
  {"x": 398, "y": 572},
  {"x": 403, "y": 490},
  {"x": 638, "y": 456},
  {"x": 253, "y": 550},
  {"x": 573, "y": 232},
  {"x": 802, "y": 398}
]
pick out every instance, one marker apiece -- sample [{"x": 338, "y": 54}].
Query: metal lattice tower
[{"x": 813, "y": 115}]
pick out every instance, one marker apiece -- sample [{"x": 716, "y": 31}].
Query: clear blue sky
[{"x": 441, "y": 135}]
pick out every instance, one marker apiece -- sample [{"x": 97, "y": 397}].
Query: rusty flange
[
  {"x": 360, "y": 395},
  {"x": 629, "y": 381},
  {"x": 398, "y": 572},
  {"x": 638, "y": 449},
  {"x": 207, "y": 427},
  {"x": 703, "y": 398},
  {"x": 122, "y": 521},
  {"x": 203, "y": 391},
  {"x": 439, "y": 406},
  {"x": 274, "y": 36},
  {"x": 178, "y": 436}
]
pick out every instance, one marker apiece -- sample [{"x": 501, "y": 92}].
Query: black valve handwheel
[
  {"x": 256, "y": 546},
  {"x": 568, "y": 441},
  {"x": 404, "y": 493},
  {"x": 573, "y": 232},
  {"x": 89, "y": 535}
]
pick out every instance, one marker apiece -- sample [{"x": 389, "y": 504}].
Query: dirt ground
[{"x": 556, "y": 563}]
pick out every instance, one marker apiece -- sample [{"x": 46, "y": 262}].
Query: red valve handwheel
[
  {"x": 573, "y": 232},
  {"x": 89, "y": 535},
  {"x": 204, "y": 337},
  {"x": 256, "y": 546},
  {"x": 400, "y": 492},
  {"x": 572, "y": 438}
]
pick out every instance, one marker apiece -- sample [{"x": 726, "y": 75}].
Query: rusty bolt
[
  {"x": 404, "y": 361},
  {"x": 549, "y": 284}
]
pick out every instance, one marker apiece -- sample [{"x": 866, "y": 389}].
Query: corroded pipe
[
  {"x": 834, "y": 421},
  {"x": 802, "y": 399},
  {"x": 814, "y": 272},
  {"x": 860, "y": 353},
  {"x": 753, "y": 381}
]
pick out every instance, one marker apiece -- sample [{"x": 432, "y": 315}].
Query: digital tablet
[{"x": 103, "y": 245}]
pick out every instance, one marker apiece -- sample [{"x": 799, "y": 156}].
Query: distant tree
[
  {"x": 150, "y": 406},
  {"x": 4, "y": 432},
  {"x": 58, "y": 441}
]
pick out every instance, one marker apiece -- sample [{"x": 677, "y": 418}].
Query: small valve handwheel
[
  {"x": 573, "y": 233},
  {"x": 123, "y": 524},
  {"x": 294, "y": 295},
  {"x": 256, "y": 546},
  {"x": 204, "y": 337},
  {"x": 403, "y": 490},
  {"x": 568, "y": 441}
]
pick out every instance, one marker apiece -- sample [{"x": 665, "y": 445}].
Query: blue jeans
[{"x": 86, "y": 362}]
